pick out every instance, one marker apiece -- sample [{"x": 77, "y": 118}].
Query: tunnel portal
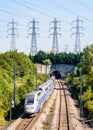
[{"x": 56, "y": 74}]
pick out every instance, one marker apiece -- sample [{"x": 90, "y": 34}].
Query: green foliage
[
  {"x": 59, "y": 58},
  {"x": 88, "y": 105},
  {"x": 42, "y": 78},
  {"x": 46, "y": 62},
  {"x": 86, "y": 65},
  {"x": 87, "y": 95},
  {"x": 25, "y": 79},
  {"x": 25, "y": 76},
  {"x": 22, "y": 91},
  {"x": 39, "y": 57}
]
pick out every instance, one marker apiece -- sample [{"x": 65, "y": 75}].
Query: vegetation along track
[{"x": 63, "y": 122}]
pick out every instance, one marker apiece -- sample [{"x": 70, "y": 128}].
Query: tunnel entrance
[{"x": 56, "y": 74}]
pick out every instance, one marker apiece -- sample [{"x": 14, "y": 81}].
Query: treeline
[
  {"x": 86, "y": 67},
  {"x": 25, "y": 79},
  {"x": 60, "y": 58}
]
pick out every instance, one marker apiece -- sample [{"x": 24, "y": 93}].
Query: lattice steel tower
[
  {"x": 12, "y": 28},
  {"x": 55, "y": 46},
  {"x": 33, "y": 47},
  {"x": 77, "y": 34}
]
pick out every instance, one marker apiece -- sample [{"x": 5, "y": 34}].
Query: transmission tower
[
  {"x": 55, "y": 46},
  {"x": 79, "y": 28},
  {"x": 12, "y": 28},
  {"x": 33, "y": 48}
]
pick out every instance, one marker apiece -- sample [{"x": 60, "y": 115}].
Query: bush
[{"x": 89, "y": 108}]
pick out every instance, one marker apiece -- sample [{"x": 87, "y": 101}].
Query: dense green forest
[
  {"x": 86, "y": 66},
  {"x": 25, "y": 79},
  {"x": 59, "y": 58}
]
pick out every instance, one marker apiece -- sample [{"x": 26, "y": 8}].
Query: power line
[
  {"x": 55, "y": 46},
  {"x": 31, "y": 8},
  {"x": 43, "y": 9},
  {"x": 77, "y": 34},
  {"x": 33, "y": 48},
  {"x": 22, "y": 13},
  {"x": 4, "y": 11},
  {"x": 84, "y": 5},
  {"x": 13, "y": 34},
  {"x": 70, "y": 11},
  {"x": 10, "y": 13}
]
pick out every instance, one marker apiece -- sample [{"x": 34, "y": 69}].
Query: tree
[
  {"x": 46, "y": 62},
  {"x": 86, "y": 64},
  {"x": 40, "y": 56}
]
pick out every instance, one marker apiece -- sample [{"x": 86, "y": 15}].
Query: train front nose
[{"x": 29, "y": 109}]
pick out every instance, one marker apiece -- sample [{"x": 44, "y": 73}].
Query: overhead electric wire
[
  {"x": 10, "y": 13},
  {"x": 31, "y": 8},
  {"x": 4, "y": 11},
  {"x": 70, "y": 11},
  {"x": 26, "y": 6},
  {"x": 84, "y": 5},
  {"x": 43, "y": 9}
]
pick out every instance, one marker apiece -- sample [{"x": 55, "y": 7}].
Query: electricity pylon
[
  {"x": 55, "y": 46},
  {"x": 12, "y": 28},
  {"x": 77, "y": 34},
  {"x": 33, "y": 47}
]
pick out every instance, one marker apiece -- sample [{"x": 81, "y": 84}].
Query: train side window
[
  {"x": 46, "y": 89},
  {"x": 39, "y": 93}
]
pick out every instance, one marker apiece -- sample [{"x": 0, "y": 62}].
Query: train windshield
[{"x": 30, "y": 99}]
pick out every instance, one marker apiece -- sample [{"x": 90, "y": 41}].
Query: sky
[{"x": 45, "y": 11}]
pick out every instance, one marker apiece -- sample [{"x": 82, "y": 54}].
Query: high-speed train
[{"x": 35, "y": 100}]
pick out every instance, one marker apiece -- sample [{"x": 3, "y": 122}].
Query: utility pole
[
  {"x": 12, "y": 28},
  {"x": 15, "y": 92},
  {"x": 55, "y": 27},
  {"x": 81, "y": 103},
  {"x": 33, "y": 48},
  {"x": 36, "y": 77},
  {"x": 79, "y": 28}
]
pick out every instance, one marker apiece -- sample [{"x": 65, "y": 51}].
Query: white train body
[{"x": 35, "y": 99}]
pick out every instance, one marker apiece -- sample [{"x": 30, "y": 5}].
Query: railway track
[
  {"x": 27, "y": 123},
  {"x": 61, "y": 116},
  {"x": 63, "y": 111}
]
